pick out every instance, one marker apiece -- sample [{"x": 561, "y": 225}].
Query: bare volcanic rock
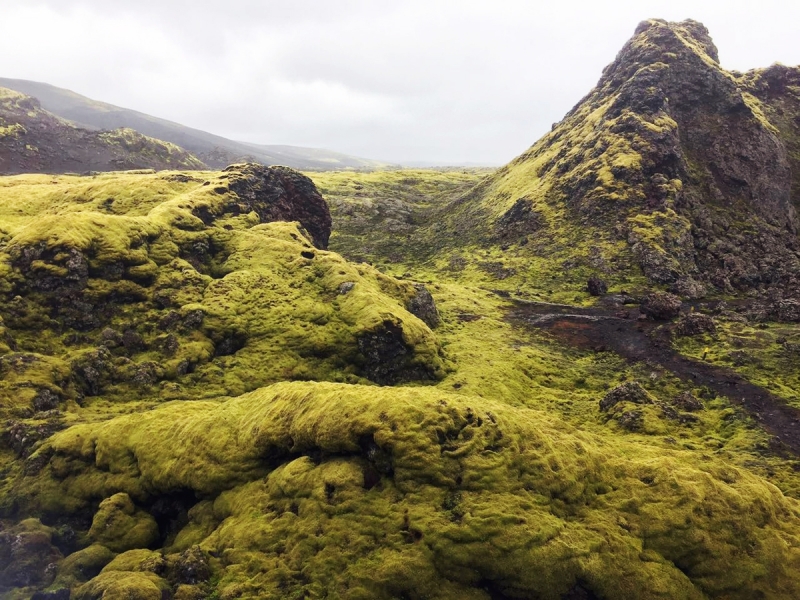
[
  {"x": 630, "y": 391},
  {"x": 281, "y": 194},
  {"x": 661, "y": 305},
  {"x": 695, "y": 324}
]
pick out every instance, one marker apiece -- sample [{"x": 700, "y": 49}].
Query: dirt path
[{"x": 618, "y": 329}]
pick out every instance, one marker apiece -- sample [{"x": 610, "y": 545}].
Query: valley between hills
[{"x": 574, "y": 377}]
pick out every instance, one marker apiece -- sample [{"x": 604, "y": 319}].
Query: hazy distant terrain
[{"x": 213, "y": 150}]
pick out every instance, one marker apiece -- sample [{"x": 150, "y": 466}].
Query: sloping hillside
[
  {"x": 35, "y": 141},
  {"x": 670, "y": 165},
  {"x": 213, "y": 150}
]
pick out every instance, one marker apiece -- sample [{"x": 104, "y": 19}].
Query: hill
[
  {"x": 213, "y": 150},
  {"x": 34, "y": 141},
  {"x": 670, "y": 167},
  {"x": 206, "y": 390}
]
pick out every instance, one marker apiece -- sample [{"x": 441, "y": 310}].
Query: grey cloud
[{"x": 438, "y": 80}]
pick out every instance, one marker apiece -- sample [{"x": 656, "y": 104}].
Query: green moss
[
  {"x": 499, "y": 477},
  {"x": 82, "y": 565},
  {"x": 116, "y": 585},
  {"x": 120, "y": 526}
]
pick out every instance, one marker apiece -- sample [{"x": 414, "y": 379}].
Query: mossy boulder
[
  {"x": 119, "y": 525},
  {"x": 28, "y": 557},
  {"x": 122, "y": 585},
  {"x": 153, "y": 282},
  {"x": 83, "y": 565}
]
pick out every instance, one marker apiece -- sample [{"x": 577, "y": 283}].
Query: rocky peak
[{"x": 687, "y": 162}]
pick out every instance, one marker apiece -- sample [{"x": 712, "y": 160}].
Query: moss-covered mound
[
  {"x": 199, "y": 400},
  {"x": 355, "y": 492},
  {"x": 33, "y": 140},
  {"x": 131, "y": 286}
]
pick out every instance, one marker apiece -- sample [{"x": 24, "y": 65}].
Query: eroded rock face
[
  {"x": 387, "y": 358},
  {"x": 280, "y": 194},
  {"x": 423, "y": 306}
]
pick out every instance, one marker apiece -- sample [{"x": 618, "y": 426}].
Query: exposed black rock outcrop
[{"x": 281, "y": 194}]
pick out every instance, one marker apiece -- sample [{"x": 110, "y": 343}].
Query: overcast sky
[{"x": 431, "y": 80}]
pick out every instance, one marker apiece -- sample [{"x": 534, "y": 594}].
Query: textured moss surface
[
  {"x": 380, "y": 492},
  {"x": 197, "y": 403}
]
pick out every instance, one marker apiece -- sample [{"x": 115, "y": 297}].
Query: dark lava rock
[
  {"x": 423, "y": 306},
  {"x": 785, "y": 310},
  {"x": 519, "y": 221},
  {"x": 596, "y": 286},
  {"x": 169, "y": 321},
  {"x": 346, "y": 287},
  {"x": 93, "y": 371},
  {"x": 280, "y": 194},
  {"x": 133, "y": 342},
  {"x": 687, "y": 401},
  {"x": 632, "y": 420},
  {"x": 193, "y": 319},
  {"x": 695, "y": 324},
  {"x": 146, "y": 374},
  {"x": 22, "y": 437},
  {"x": 630, "y": 391},
  {"x": 45, "y": 399},
  {"x": 27, "y": 558},
  {"x": 661, "y": 306},
  {"x": 715, "y": 172},
  {"x": 386, "y": 357},
  {"x": 110, "y": 338},
  {"x": 689, "y": 288},
  {"x": 168, "y": 344},
  {"x": 192, "y": 566}
]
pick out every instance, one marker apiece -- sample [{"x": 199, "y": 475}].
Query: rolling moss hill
[
  {"x": 190, "y": 410},
  {"x": 33, "y": 140},
  {"x": 201, "y": 398}
]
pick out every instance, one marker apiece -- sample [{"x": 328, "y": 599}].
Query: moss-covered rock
[
  {"x": 122, "y": 585},
  {"x": 671, "y": 165},
  {"x": 120, "y": 526},
  {"x": 28, "y": 557},
  {"x": 83, "y": 565}
]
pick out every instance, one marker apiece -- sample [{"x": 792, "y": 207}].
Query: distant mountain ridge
[
  {"x": 33, "y": 140},
  {"x": 215, "y": 151}
]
